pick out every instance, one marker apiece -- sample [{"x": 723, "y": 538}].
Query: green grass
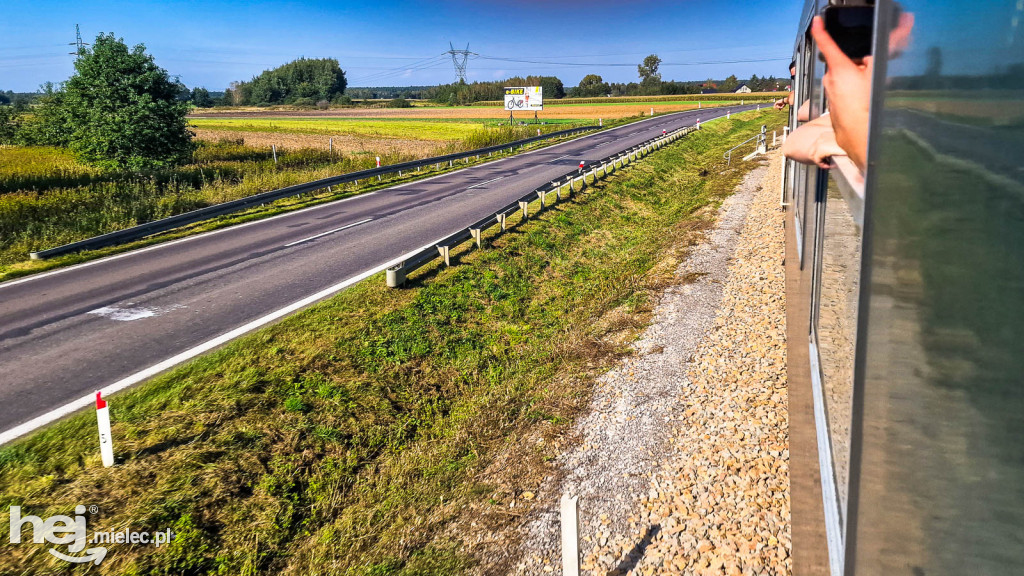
[{"x": 351, "y": 438}]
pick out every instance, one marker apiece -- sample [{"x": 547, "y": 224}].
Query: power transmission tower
[
  {"x": 78, "y": 44},
  {"x": 460, "y": 65}
]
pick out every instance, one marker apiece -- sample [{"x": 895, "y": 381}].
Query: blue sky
[{"x": 213, "y": 42}]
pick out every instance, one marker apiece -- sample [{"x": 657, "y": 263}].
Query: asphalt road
[{"x": 111, "y": 322}]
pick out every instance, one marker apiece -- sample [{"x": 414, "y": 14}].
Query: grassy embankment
[
  {"x": 47, "y": 199},
  {"x": 351, "y": 438}
]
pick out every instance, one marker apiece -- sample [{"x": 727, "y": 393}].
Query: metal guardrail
[
  {"x": 177, "y": 221},
  {"x": 396, "y": 275}
]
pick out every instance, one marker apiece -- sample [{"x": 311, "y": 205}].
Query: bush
[
  {"x": 304, "y": 103},
  {"x": 398, "y": 103},
  {"x": 121, "y": 111},
  {"x": 8, "y": 125}
]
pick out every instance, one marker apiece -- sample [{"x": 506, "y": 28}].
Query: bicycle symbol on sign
[{"x": 514, "y": 104}]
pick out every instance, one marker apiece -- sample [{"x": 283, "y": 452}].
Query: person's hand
[
  {"x": 780, "y": 104},
  {"x": 848, "y": 86},
  {"x": 813, "y": 143},
  {"x": 824, "y": 148}
]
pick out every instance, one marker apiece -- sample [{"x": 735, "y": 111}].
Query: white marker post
[
  {"x": 652, "y": 111},
  {"x": 698, "y": 123},
  {"x": 538, "y": 131},
  {"x": 106, "y": 440},
  {"x": 570, "y": 535},
  {"x": 600, "y": 122},
  {"x": 378, "y": 161}
]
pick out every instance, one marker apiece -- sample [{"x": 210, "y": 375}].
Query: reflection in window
[{"x": 837, "y": 328}]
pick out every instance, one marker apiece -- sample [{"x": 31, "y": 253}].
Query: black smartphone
[{"x": 851, "y": 27}]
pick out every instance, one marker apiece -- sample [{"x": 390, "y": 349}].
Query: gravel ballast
[{"x": 682, "y": 463}]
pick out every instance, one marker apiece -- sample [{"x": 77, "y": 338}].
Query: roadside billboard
[{"x": 524, "y": 98}]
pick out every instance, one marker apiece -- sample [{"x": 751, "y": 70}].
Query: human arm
[{"x": 813, "y": 143}]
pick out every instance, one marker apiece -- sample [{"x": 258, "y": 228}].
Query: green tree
[
  {"x": 731, "y": 84},
  {"x": 650, "y": 79},
  {"x": 122, "y": 110},
  {"x": 316, "y": 79},
  {"x": 591, "y": 86},
  {"x": 552, "y": 86},
  {"x": 201, "y": 98}
]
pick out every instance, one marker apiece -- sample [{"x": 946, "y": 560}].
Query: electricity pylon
[
  {"x": 460, "y": 65},
  {"x": 78, "y": 44}
]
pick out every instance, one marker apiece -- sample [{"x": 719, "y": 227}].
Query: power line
[{"x": 432, "y": 62}]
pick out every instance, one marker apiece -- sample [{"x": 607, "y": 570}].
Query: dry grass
[{"x": 343, "y": 143}]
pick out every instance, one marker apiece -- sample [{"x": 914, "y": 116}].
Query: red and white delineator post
[
  {"x": 664, "y": 131},
  {"x": 106, "y": 440},
  {"x": 378, "y": 161},
  {"x": 698, "y": 123}
]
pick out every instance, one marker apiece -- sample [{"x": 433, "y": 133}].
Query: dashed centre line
[
  {"x": 487, "y": 182},
  {"x": 328, "y": 232}
]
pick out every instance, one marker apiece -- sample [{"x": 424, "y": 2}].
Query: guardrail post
[
  {"x": 526, "y": 208},
  {"x": 542, "y": 195},
  {"x": 477, "y": 235},
  {"x": 444, "y": 251},
  {"x": 500, "y": 217},
  {"x": 396, "y": 275}
]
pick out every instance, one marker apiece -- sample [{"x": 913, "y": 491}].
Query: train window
[{"x": 835, "y": 327}]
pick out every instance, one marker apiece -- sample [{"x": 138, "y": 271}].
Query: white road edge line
[
  {"x": 328, "y": 232},
  {"x": 58, "y": 413},
  {"x": 483, "y": 183}
]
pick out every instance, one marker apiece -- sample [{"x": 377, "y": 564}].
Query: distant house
[{"x": 743, "y": 89}]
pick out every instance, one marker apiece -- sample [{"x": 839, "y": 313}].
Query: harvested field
[
  {"x": 609, "y": 110},
  {"x": 343, "y": 143}
]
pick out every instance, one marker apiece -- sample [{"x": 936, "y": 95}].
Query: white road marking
[
  {"x": 58, "y": 413},
  {"x": 328, "y": 232},
  {"x": 487, "y": 182},
  {"x": 127, "y": 313},
  {"x": 560, "y": 157}
]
